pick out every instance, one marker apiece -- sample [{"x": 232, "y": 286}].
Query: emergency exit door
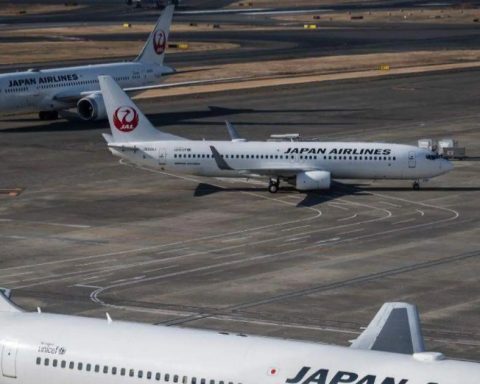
[{"x": 9, "y": 359}]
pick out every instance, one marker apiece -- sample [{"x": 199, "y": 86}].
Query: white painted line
[
  {"x": 352, "y": 231},
  {"x": 47, "y": 223},
  {"x": 328, "y": 240},
  {"x": 420, "y": 211},
  {"x": 293, "y": 228},
  {"x": 234, "y": 239},
  {"x": 230, "y": 255},
  {"x": 333, "y": 205},
  {"x": 86, "y": 286},
  {"x": 403, "y": 221},
  {"x": 348, "y": 218},
  {"x": 296, "y": 238},
  {"x": 162, "y": 268},
  {"x": 390, "y": 204}
]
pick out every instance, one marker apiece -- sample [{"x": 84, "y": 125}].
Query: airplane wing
[
  {"x": 70, "y": 97},
  {"x": 395, "y": 328},
  {"x": 284, "y": 172}
]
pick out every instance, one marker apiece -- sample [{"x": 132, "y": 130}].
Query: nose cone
[{"x": 446, "y": 166}]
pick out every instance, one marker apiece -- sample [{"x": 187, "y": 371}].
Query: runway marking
[
  {"x": 296, "y": 238},
  {"x": 422, "y": 213},
  {"x": 229, "y": 255},
  {"x": 328, "y": 240},
  {"x": 293, "y": 228},
  {"x": 338, "y": 206},
  {"x": 234, "y": 239},
  {"x": 403, "y": 221},
  {"x": 47, "y": 223},
  {"x": 390, "y": 204},
  {"x": 352, "y": 231},
  {"x": 162, "y": 268},
  {"x": 349, "y": 217},
  {"x": 86, "y": 286}
]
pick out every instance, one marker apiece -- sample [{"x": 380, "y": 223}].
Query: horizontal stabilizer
[{"x": 395, "y": 328}]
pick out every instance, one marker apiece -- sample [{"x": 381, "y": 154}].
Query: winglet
[
  {"x": 234, "y": 135},
  {"x": 395, "y": 328},
  {"x": 221, "y": 163},
  {"x": 6, "y": 305}
]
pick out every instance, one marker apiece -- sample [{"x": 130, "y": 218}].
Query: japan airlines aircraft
[
  {"x": 309, "y": 165},
  {"x": 52, "y": 90},
  {"x": 39, "y": 348}
]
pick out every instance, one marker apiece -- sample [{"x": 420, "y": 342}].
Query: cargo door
[
  {"x": 412, "y": 162},
  {"x": 9, "y": 359}
]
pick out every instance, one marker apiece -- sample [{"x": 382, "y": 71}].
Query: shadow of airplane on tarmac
[{"x": 337, "y": 190}]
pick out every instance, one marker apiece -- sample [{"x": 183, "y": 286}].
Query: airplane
[
  {"x": 52, "y": 90},
  {"x": 309, "y": 165},
  {"x": 39, "y": 347}
]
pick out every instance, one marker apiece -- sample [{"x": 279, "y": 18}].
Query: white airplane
[
  {"x": 52, "y": 90},
  {"x": 309, "y": 165},
  {"x": 58, "y": 349}
]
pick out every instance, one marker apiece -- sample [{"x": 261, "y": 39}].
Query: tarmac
[{"x": 82, "y": 233}]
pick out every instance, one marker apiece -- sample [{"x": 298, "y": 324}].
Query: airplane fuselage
[
  {"x": 344, "y": 160},
  {"x": 48, "y": 89},
  {"x": 57, "y": 349}
]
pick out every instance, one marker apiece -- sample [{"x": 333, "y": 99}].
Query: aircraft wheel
[
  {"x": 416, "y": 185},
  {"x": 273, "y": 188}
]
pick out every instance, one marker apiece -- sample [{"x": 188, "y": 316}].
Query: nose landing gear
[
  {"x": 273, "y": 185},
  {"x": 416, "y": 185}
]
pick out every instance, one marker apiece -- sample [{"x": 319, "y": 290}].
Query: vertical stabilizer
[
  {"x": 153, "y": 52},
  {"x": 127, "y": 122}
]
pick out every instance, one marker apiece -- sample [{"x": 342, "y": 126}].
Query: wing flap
[{"x": 395, "y": 328}]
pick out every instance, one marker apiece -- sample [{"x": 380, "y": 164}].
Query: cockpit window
[{"x": 433, "y": 156}]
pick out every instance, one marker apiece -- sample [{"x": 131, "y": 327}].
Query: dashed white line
[
  {"x": 403, "y": 221},
  {"x": 293, "y": 228},
  {"x": 348, "y": 218}
]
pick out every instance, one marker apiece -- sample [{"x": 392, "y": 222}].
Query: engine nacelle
[
  {"x": 92, "y": 108},
  {"x": 311, "y": 180}
]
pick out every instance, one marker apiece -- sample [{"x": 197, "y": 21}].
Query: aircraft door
[
  {"x": 9, "y": 359},
  {"x": 412, "y": 162},
  {"x": 162, "y": 156}
]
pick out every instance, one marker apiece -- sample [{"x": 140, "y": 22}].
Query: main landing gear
[
  {"x": 48, "y": 115},
  {"x": 416, "y": 185},
  {"x": 273, "y": 185}
]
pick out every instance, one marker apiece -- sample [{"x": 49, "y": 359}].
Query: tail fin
[
  {"x": 153, "y": 51},
  {"x": 127, "y": 122},
  {"x": 6, "y": 305}
]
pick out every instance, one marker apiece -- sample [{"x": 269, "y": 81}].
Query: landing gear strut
[
  {"x": 416, "y": 185},
  {"x": 273, "y": 185},
  {"x": 48, "y": 115}
]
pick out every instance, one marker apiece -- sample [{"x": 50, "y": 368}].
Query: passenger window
[
  {"x": 140, "y": 374},
  {"x": 202, "y": 381},
  {"x": 123, "y": 371},
  {"x": 131, "y": 373},
  {"x": 166, "y": 377},
  {"x": 80, "y": 366},
  {"x": 185, "y": 380},
  {"x": 97, "y": 368},
  {"x": 47, "y": 361},
  {"x": 149, "y": 375},
  {"x": 105, "y": 369},
  {"x": 157, "y": 376},
  {"x": 64, "y": 363},
  {"x": 89, "y": 367},
  {"x": 212, "y": 381},
  {"x": 175, "y": 379},
  {"x": 39, "y": 360},
  {"x": 114, "y": 370},
  {"x": 71, "y": 365},
  {"x": 55, "y": 362},
  {"x": 194, "y": 380}
]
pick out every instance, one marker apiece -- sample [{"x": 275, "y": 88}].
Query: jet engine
[
  {"x": 92, "y": 108},
  {"x": 311, "y": 180}
]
